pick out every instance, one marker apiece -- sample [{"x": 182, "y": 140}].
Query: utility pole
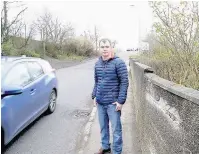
[
  {"x": 96, "y": 38},
  {"x": 4, "y": 33},
  {"x": 44, "y": 42}
]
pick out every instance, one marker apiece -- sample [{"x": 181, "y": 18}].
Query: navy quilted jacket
[{"x": 111, "y": 81}]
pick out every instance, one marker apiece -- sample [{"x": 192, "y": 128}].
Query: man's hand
[
  {"x": 118, "y": 106},
  {"x": 94, "y": 102}
]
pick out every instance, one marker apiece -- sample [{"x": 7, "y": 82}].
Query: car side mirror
[{"x": 11, "y": 90}]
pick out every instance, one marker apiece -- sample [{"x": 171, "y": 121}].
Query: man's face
[{"x": 105, "y": 48}]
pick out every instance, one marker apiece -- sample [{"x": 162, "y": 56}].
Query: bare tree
[
  {"x": 6, "y": 25},
  {"x": 178, "y": 25},
  {"x": 176, "y": 34},
  {"x": 89, "y": 36},
  {"x": 53, "y": 31},
  {"x": 93, "y": 37},
  {"x": 96, "y": 37},
  {"x": 23, "y": 32}
]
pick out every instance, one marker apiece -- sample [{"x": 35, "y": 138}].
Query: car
[
  {"x": 130, "y": 49},
  {"x": 29, "y": 88}
]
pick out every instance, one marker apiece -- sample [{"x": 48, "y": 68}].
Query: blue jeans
[{"x": 106, "y": 113}]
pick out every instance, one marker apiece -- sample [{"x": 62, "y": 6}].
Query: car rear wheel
[
  {"x": 2, "y": 141},
  {"x": 52, "y": 102}
]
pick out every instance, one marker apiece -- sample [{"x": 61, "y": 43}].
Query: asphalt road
[{"x": 59, "y": 132}]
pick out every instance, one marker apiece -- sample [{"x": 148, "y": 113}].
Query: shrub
[
  {"x": 8, "y": 49},
  {"x": 79, "y": 46},
  {"x": 30, "y": 53},
  {"x": 179, "y": 68},
  {"x": 52, "y": 50}
]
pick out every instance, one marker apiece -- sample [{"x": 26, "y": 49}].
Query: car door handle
[{"x": 32, "y": 91}]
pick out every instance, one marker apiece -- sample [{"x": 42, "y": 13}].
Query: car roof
[{"x": 10, "y": 59}]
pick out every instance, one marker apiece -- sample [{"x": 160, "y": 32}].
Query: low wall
[{"x": 167, "y": 114}]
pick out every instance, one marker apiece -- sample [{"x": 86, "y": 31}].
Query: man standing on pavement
[{"x": 109, "y": 94}]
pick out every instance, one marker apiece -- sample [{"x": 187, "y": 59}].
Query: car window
[
  {"x": 35, "y": 69},
  {"x": 47, "y": 67},
  {"x": 18, "y": 75}
]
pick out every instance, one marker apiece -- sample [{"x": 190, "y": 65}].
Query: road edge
[
  {"x": 71, "y": 64},
  {"x": 87, "y": 130}
]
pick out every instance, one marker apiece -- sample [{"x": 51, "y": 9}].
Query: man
[{"x": 109, "y": 94}]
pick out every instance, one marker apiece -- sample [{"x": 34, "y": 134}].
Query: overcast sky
[{"x": 116, "y": 20}]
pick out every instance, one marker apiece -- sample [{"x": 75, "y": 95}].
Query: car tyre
[
  {"x": 52, "y": 102},
  {"x": 2, "y": 142}
]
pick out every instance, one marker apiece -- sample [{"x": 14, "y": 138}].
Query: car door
[
  {"x": 19, "y": 107},
  {"x": 38, "y": 78}
]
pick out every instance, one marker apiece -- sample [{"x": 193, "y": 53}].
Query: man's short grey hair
[{"x": 104, "y": 40}]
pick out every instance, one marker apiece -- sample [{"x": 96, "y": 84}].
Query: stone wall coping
[
  {"x": 177, "y": 89},
  {"x": 180, "y": 90}
]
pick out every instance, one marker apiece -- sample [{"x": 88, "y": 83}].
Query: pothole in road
[{"x": 80, "y": 114}]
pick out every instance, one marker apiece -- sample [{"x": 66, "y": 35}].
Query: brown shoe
[{"x": 104, "y": 151}]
